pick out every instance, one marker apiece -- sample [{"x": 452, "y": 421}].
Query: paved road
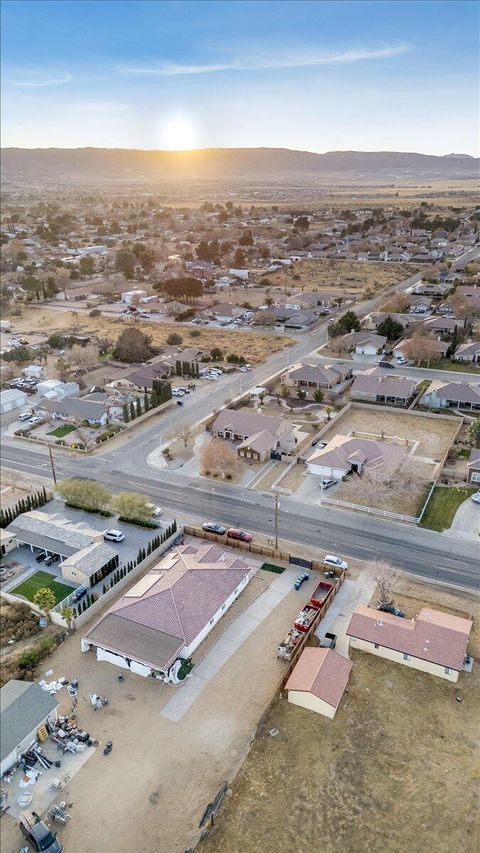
[{"x": 421, "y": 552}]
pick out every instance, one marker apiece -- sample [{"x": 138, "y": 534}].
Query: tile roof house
[
  {"x": 434, "y": 642},
  {"x": 171, "y": 609},
  {"x": 468, "y": 352},
  {"x": 318, "y": 680},
  {"x": 441, "y": 325},
  {"x": 473, "y": 466},
  {"x": 445, "y": 395},
  {"x": 314, "y": 377},
  {"x": 143, "y": 377},
  {"x": 258, "y": 435},
  {"x": 366, "y": 343},
  {"x": 439, "y": 346},
  {"x": 94, "y": 413},
  {"x": 345, "y": 454},
  {"x": 378, "y": 388},
  {"x": 24, "y": 707}
]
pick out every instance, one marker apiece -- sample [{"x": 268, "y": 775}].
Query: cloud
[
  {"x": 38, "y": 80},
  {"x": 170, "y": 69}
]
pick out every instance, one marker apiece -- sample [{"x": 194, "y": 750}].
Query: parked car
[
  {"x": 178, "y": 392},
  {"x": 213, "y": 527},
  {"x": 114, "y": 535},
  {"x": 386, "y": 364},
  {"x": 389, "y": 608},
  {"x": 155, "y": 510},
  {"x": 335, "y": 562},
  {"x": 40, "y": 557},
  {"x": 50, "y": 560},
  {"x": 235, "y": 533},
  {"x": 401, "y": 359},
  {"x": 243, "y": 370},
  {"x": 25, "y": 416},
  {"x": 301, "y": 579},
  {"x": 327, "y": 484},
  {"x": 41, "y": 837},
  {"x": 35, "y": 420},
  {"x": 79, "y": 593},
  {"x": 476, "y": 497},
  {"x": 179, "y": 402}
]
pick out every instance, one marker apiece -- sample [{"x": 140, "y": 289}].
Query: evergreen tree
[
  {"x": 146, "y": 403},
  {"x": 125, "y": 414},
  {"x": 154, "y": 400},
  {"x": 178, "y": 367},
  {"x": 44, "y": 495},
  {"x": 139, "y": 406},
  {"x": 104, "y": 588},
  {"x": 454, "y": 344}
]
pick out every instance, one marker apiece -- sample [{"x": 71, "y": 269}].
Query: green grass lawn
[
  {"x": 60, "y": 431},
  {"x": 443, "y": 505},
  {"x": 270, "y": 567},
  {"x": 40, "y": 580},
  {"x": 461, "y": 367}
]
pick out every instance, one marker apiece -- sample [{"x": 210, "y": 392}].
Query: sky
[{"x": 316, "y": 76}]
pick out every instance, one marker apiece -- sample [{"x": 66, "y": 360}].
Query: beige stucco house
[
  {"x": 434, "y": 642},
  {"x": 259, "y": 435},
  {"x": 319, "y": 680}
]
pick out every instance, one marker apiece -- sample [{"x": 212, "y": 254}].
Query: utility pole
[
  {"x": 277, "y": 505},
  {"x": 52, "y": 464}
]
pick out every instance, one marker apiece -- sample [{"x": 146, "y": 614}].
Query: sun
[{"x": 178, "y": 133}]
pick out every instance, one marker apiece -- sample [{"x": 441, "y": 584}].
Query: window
[
  {"x": 447, "y": 670},
  {"x": 406, "y": 657},
  {"x": 476, "y": 477}
]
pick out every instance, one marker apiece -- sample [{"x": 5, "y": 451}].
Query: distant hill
[{"x": 232, "y": 163}]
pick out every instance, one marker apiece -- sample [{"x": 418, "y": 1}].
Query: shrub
[
  {"x": 174, "y": 339},
  {"x": 195, "y": 333},
  {"x": 94, "y": 313}
]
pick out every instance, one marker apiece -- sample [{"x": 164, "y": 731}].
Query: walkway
[
  {"x": 227, "y": 644},
  {"x": 337, "y": 617}
]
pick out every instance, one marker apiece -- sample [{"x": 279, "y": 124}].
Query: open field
[
  {"x": 343, "y": 277},
  {"x": 396, "y": 770},
  {"x": 443, "y": 505},
  {"x": 253, "y": 346},
  {"x": 40, "y": 580},
  {"x": 434, "y": 435}
]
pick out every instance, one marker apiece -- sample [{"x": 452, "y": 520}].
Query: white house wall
[
  {"x": 213, "y": 621},
  {"x": 325, "y": 471},
  {"x": 311, "y": 703},
  {"x": 397, "y": 657}
]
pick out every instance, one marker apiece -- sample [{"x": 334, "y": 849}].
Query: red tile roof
[
  {"x": 433, "y": 636},
  {"x": 322, "y": 672}
]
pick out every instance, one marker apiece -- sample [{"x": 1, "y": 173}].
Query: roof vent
[{"x": 380, "y": 622}]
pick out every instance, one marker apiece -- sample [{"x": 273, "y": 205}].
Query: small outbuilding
[
  {"x": 24, "y": 708},
  {"x": 319, "y": 680},
  {"x": 12, "y": 399}
]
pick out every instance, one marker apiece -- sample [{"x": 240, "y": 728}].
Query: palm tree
[
  {"x": 68, "y": 614},
  {"x": 329, "y": 410}
]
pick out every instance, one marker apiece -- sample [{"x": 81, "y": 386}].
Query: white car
[
  {"x": 178, "y": 392},
  {"x": 401, "y": 360},
  {"x": 114, "y": 535},
  {"x": 25, "y": 416},
  {"x": 35, "y": 420},
  {"x": 243, "y": 369},
  {"x": 155, "y": 510},
  {"x": 476, "y": 497},
  {"x": 335, "y": 562}
]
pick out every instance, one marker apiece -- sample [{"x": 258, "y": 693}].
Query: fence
[
  {"x": 263, "y": 551},
  {"x": 107, "y": 596}
]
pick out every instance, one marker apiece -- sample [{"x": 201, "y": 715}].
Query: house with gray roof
[
  {"x": 172, "y": 609},
  {"x": 376, "y": 387},
  {"x": 24, "y": 707},
  {"x": 446, "y": 395},
  {"x": 78, "y": 408},
  {"x": 259, "y": 435},
  {"x": 345, "y": 454},
  {"x": 469, "y": 352},
  {"x": 473, "y": 467},
  {"x": 366, "y": 343},
  {"x": 314, "y": 377}
]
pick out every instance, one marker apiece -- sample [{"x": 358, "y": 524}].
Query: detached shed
[
  {"x": 24, "y": 707},
  {"x": 319, "y": 680},
  {"x": 12, "y": 399}
]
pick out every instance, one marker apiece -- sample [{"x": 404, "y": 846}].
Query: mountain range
[{"x": 232, "y": 164}]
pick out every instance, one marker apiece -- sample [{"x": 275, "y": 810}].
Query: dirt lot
[
  {"x": 186, "y": 763},
  {"x": 343, "y": 277},
  {"x": 396, "y": 770},
  {"x": 433, "y": 434},
  {"x": 254, "y": 347}
]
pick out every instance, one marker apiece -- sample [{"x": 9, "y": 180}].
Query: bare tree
[
  {"x": 387, "y": 577},
  {"x": 86, "y": 435},
  {"x": 219, "y": 458},
  {"x": 340, "y": 346},
  {"x": 421, "y": 348},
  {"x": 184, "y": 433},
  {"x": 83, "y": 358},
  {"x": 398, "y": 303}
]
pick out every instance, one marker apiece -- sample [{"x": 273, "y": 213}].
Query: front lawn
[
  {"x": 60, "y": 431},
  {"x": 40, "y": 580},
  {"x": 459, "y": 366},
  {"x": 443, "y": 505}
]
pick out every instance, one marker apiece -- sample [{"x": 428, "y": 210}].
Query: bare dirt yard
[
  {"x": 253, "y": 346},
  {"x": 433, "y": 434},
  {"x": 340, "y": 278},
  {"x": 396, "y": 770}
]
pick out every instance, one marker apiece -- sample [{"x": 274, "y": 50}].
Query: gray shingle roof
[
  {"x": 89, "y": 560},
  {"x": 24, "y": 706},
  {"x": 74, "y": 406},
  {"x": 46, "y": 534}
]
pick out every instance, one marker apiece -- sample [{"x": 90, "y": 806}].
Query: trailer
[
  {"x": 287, "y": 647},
  {"x": 305, "y": 618},
  {"x": 320, "y": 594}
]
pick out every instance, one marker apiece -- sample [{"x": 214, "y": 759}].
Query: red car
[{"x": 235, "y": 533}]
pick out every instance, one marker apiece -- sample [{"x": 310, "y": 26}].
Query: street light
[{"x": 277, "y": 507}]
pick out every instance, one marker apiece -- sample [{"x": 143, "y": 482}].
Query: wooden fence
[{"x": 262, "y": 550}]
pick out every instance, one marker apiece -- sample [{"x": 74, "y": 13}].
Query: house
[
  {"x": 133, "y": 297},
  {"x": 237, "y": 273},
  {"x": 458, "y": 395},
  {"x": 439, "y": 346},
  {"x": 434, "y": 642},
  {"x": 188, "y": 359},
  {"x": 435, "y": 291},
  {"x": 469, "y": 291},
  {"x": 73, "y": 294},
  {"x": 142, "y": 378},
  {"x": 86, "y": 557},
  {"x": 80, "y": 409},
  {"x": 345, "y": 454},
  {"x": 378, "y": 388},
  {"x": 473, "y": 466},
  {"x": 12, "y": 399},
  {"x": 225, "y": 312},
  {"x": 318, "y": 681},
  {"x": 366, "y": 343},
  {"x": 33, "y": 371},
  {"x": 440, "y": 325},
  {"x": 314, "y": 377},
  {"x": 373, "y": 321},
  {"x": 259, "y": 435},
  {"x": 291, "y": 317},
  {"x": 171, "y": 609},
  {"x": 24, "y": 709},
  {"x": 468, "y": 352},
  {"x": 48, "y": 387},
  {"x": 420, "y": 304},
  {"x": 8, "y": 542}
]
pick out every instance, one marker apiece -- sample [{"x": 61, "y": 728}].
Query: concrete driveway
[{"x": 466, "y": 524}]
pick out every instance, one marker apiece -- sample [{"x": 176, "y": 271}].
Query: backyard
[
  {"x": 41, "y": 580},
  {"x": 443, "y": 505},
  {"x": 396, "y": 770}
]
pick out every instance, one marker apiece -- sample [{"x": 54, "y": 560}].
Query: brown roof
[
  {"x": 342, "y": 450},
  {"x": 388, "y": 386},
  {"x": 433, "y": 636},
  {"x": 250, "y": 423},
  {"x": 322, "y": 672},
  {"x": 315, "y": 373}
]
